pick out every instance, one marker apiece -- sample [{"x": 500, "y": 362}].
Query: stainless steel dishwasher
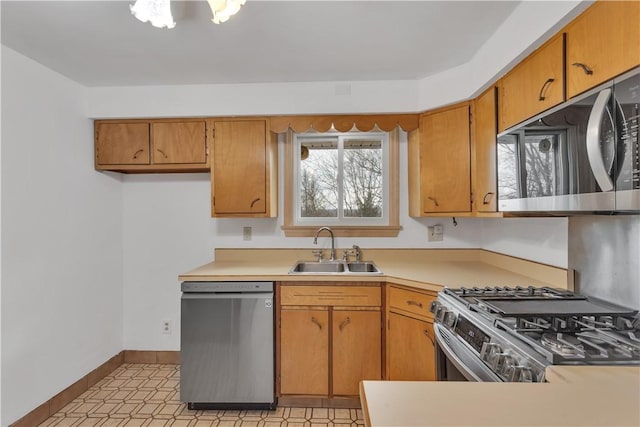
[{"x": 226, "y": 345}]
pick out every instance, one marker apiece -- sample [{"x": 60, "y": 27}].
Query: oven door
[{"x": 456, "y": 362}]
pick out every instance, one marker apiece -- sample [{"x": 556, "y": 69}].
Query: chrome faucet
[{"x": 332, "y": 256}]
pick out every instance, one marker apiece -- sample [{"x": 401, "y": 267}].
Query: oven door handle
[{"x": 480, "y": 374}]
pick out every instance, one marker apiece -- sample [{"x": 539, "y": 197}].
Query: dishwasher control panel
[{"x": 224, "y": 287}]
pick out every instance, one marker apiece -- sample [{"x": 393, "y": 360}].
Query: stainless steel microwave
[{"x": 581, "y": 156}]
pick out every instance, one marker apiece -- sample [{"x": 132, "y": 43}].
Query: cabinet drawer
[
  {"x": 349, "y": 296},
  {"x": 412, "y": 302}
]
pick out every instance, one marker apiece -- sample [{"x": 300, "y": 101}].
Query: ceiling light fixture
[
  {"x": 158, "y": 12},
  {"x": 224, "y": 9}
]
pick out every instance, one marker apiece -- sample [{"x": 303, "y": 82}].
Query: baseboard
[
  {"x": 66, "y": 396},
  {"x": 319, "y": 402},
  {"x": 149, "y": 356}
]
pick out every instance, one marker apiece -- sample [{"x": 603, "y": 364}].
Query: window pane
[
  {"x": 508, "y": 174},
  {"x": 363, "y": 183},
  {"x": 318, "y": 178}
]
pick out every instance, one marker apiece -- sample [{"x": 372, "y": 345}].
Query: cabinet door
[
  {"x": 484, "y": 178},
  {"x": 411, "y": 349},
  {"x": 239, "y": 167},
  {"x": 357, "y": 350},
  {"x": 445, "y": 176},
  {"x": 304, "y": 352},
  {"x": 601, "y": 43},
  {"x": 179, "y": 142},
  {"x": 534, "y": 85},
  {"x": 122, "y": 143}
]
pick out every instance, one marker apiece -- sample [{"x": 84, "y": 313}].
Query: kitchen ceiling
[{"x": 99, "y": 43}]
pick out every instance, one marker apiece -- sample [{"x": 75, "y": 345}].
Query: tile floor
[{"x": 148, "y": 395}]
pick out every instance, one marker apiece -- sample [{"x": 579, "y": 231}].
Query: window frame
[{"x": 389, "y": 226}]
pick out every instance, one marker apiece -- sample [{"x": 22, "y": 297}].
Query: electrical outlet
[
  {"x": 435, "y": 233},
  {"x": 246, "y": 233},
  {"x": 166, "y": 327}
]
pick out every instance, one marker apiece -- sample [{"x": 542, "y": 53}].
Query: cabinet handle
[
  {"x": 487, "y": 198},
  {"x": 588, "y": 71},
  {"x": 135, "y": 155},
  {"x": 162, "y": 152},
  {"x": 416, "y": 303},
  {"x": 434, "y": 200},
  {"x": 255, "y": 201},
  {"x": 426, "y": 332},
  {"x": 546, "y": 84},
  {"x": 314, "y": 320},
  {"x": 344, "y": 323}
]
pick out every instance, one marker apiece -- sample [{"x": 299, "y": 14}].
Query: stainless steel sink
[
  {"x": 363, "y": 267},
  {"x": 318, "y": 267},
  {"x": 334, "y": 267}
]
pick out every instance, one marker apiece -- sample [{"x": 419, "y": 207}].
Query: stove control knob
[
  {"x": 521, "y": 374},
  {"x": 489, "y": 352},
  {"x": 505, "y": 365},
  {"x": 449, "y": 319},
  {"x": 441, "y": 313},
  {"x": 434, "y": 306}
]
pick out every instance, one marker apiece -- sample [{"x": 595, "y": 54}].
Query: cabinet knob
[
  {"x": 314, "y": 320},
  {"x": 416, "y": 303},
  {"x": 487, "y": 198},
  {"x": 587, "y": 70},
  {"x": 546, "y": 84},
  {"x": 344, "y": 323},
  {"x": 428, "y": 335}
]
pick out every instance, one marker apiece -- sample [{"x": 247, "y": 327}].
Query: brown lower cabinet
[
  {"x": 304, "y": 349},
  {"x": 330, "y": 339},
  {"x": 411, "y": 349},
  {"x": 410, "y": 340}
]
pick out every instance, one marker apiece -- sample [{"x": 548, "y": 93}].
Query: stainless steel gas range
[{"x": 497, "y": 334}]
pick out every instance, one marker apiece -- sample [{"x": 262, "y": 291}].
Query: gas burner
[{"x": 566, "y": 345}]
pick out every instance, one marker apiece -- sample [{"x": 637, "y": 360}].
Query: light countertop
[
  {"x": 423, "y": 269},
  {"x": 577, "y": 396}
]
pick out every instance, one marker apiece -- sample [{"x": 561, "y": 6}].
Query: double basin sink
[{"x": 335, "y": 267}]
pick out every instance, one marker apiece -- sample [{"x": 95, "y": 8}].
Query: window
[{"x": 347, "y": 181}]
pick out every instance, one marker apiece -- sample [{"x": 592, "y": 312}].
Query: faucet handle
[
  {"x": 358, "y": 253},
  {"x": 346, "y": 254},
  {"x": 318, "y": 253}
]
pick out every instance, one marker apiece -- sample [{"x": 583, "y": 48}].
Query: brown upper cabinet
[
  {"x": 534, "y": 85},
  {"x": 483, "y": 153},
  {"x": 603, "y": 42},
  {"x": 151, "y": 145},
  {"x": 244, "y": 169},
  {"x": 440, "y": 163}
]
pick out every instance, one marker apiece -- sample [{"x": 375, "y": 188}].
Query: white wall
[
  {"x": 253, "y": 99},
  {"x": 543, "y": 240},
  {"x": 61, "y": 239}
]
